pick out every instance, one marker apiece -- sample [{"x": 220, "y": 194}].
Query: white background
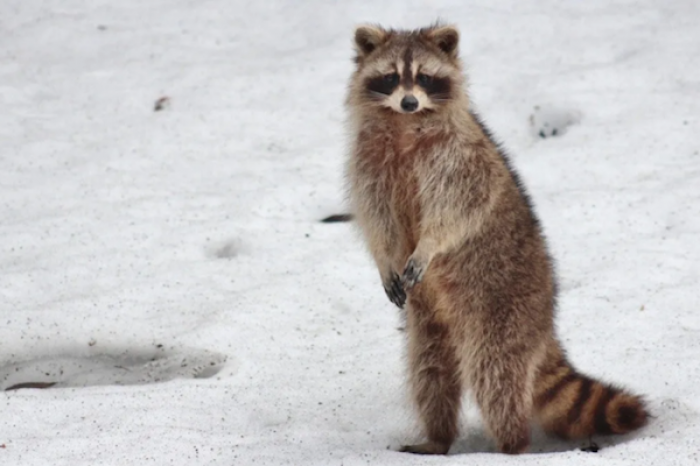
[{"x": 168, "y": 270}]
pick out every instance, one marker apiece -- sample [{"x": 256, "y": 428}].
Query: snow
[{"x": 168, "y": 271}]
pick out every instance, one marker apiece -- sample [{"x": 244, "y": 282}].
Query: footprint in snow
[
  {"x": 130, "y": 367},
  {"x": 227, "y": 249},
  {"x": 547, "y": 122}
]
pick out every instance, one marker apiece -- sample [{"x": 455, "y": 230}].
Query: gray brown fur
[{"x": 447, "y": 221}]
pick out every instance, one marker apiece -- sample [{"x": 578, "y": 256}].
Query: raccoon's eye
[
  {"x": 382, "y": 84},
  {"x": 391, "y": 79},
  {"x": 424, "y": 80}
]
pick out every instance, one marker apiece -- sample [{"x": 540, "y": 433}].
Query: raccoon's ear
[
  {"x": 368, "y": 38},
  {"x": 446, "y": 38}
]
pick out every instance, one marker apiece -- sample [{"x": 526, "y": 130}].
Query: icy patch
[{"x": 130, "y": 367}]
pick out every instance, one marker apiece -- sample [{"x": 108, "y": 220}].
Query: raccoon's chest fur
[{"x": 387, "y": 162}]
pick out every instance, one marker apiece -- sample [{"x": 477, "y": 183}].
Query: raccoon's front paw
[
  {"x": 412, "y": 273},
  {"x": 394, "y": 290}
]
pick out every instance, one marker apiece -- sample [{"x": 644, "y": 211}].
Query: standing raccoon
[{"x": 458, "y": 244}]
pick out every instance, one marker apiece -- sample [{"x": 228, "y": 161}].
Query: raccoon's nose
[{"x": 409, "y": 103}]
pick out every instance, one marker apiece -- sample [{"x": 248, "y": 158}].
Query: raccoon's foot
[
  {"x": 412, "y": 273},
  {"x": 394, "y": 290},
  {"x": 428, "y": 448}
]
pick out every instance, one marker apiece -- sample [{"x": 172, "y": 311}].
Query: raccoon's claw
[
  {"x": 394, "y": 290},
  {"x": 412, "y": 274}
]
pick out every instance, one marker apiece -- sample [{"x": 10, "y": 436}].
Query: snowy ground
[{"x": 182, "y": 246}]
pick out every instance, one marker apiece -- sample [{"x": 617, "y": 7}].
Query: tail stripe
[
  {"x": 554, "y": 390},
  {"x": 584, "y": 393},
  {"x": 572, "y": 405},
  {"x": 601, "y": 424}
]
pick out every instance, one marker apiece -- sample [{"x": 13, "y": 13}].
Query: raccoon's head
[{"x": 407, "y": 71}]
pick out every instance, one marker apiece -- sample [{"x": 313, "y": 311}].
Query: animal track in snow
[
  {"x": 227, "y": 249},
  {"x": 129, "y": 367},
  {"x": 547, "y": 121}
]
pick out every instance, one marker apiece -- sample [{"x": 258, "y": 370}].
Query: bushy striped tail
[{"x": 572, "y": 405}]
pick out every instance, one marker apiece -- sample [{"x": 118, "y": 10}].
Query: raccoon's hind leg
[
  {"x": 435, "y": 377},
  {"x": 503, "y": 382}
]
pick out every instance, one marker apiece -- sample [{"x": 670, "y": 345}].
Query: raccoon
[{"x": 458, "y": 246}]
